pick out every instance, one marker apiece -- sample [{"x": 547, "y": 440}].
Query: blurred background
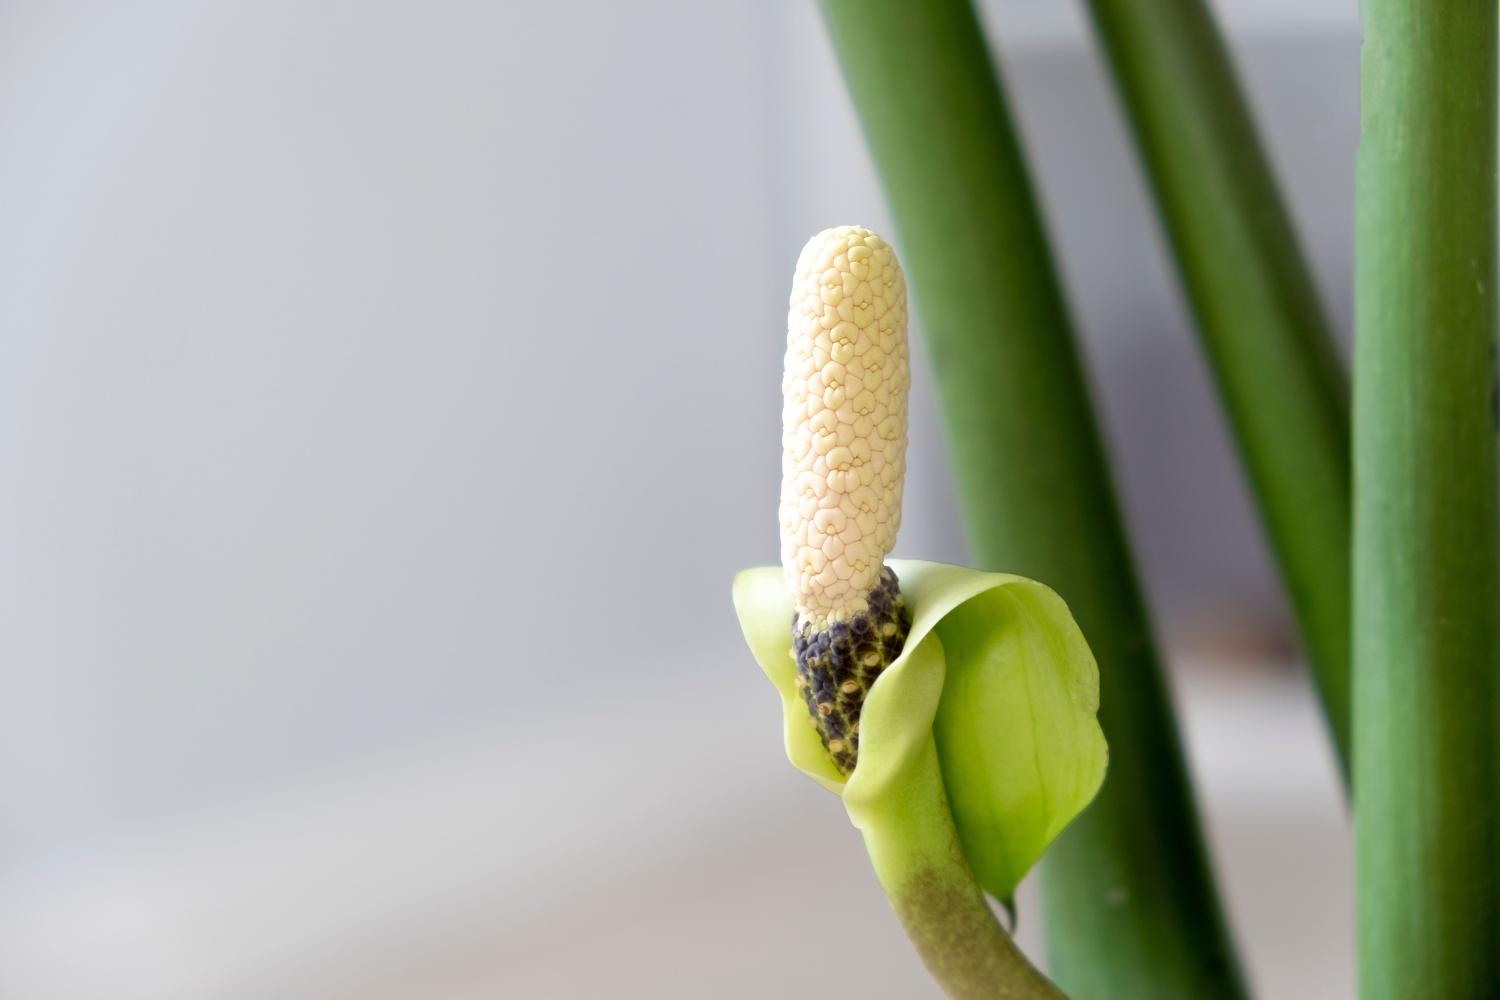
[{"x": 388, "y": 392}]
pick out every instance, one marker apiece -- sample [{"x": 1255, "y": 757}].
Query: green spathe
[{"x": 996, "y": 674}]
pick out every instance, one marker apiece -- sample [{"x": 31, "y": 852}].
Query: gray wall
[{"x": 372, "y": 370}]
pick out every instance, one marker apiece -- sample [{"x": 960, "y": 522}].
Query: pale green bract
[{"x": 996, "y": 673}]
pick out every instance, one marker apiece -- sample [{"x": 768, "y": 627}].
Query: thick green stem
[
  {"x": 1427, "y": 539},
  {"x": 916, "y": 854},
  {"x": 1131, "y": 907},
  {"x": 1257, "y": 311}
]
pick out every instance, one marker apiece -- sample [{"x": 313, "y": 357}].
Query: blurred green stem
[
  {"x": 1427, "y": 539},
  {"x": 1131, "y": 906},
  {"x": 1257, "y": 311}
]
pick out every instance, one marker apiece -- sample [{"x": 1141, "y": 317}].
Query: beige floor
[
  {"x": 621, "y": 863},
  {"x": 716, "y": 923}
]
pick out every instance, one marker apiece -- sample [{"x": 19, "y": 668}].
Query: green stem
[
  {"x": 916, "y": 854},
  {"x": 1257, "y": 311},
  {"x": 1131, "y": 906},
  {"x": 1427, "y": 538}
]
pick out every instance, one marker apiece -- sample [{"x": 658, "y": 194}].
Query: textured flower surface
[
  {"x": 843, "y": 419},
  {"x": 843, "y": 462}
]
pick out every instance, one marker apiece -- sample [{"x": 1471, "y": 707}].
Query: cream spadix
[
  {"x": 976, "y": 692},
  {"x": 843, "y": 465}
]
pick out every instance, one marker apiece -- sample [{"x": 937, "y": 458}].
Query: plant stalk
[
  {"x": 1131, "y": 906},
  {"x": 916, "y": 854},
  {"x": 1258, "y": 316},
  {"x": 1426, "y": 519}
]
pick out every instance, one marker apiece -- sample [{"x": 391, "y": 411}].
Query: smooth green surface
[
  {"x": 1017, "y": 729},
  {"x": 996, "y": 664},
  {"x": 1012, "y": 706},
  {"x": 1131, "y": 906},
  {"x": 914, "y": 850},
  {"x": 1427, "y": 544},
  {"x": 1257, "y": 311}
]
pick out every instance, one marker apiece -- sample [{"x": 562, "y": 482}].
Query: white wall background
[{"x": 388, "y": 392}]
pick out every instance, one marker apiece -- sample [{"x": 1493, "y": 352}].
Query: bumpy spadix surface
[{"x": 843, "y": 422}]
